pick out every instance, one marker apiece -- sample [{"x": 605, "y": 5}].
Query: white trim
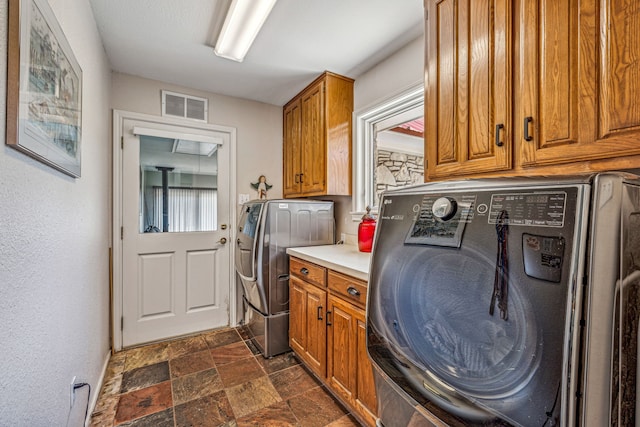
[
  {"x": 96, "y": 389},
  {"x": 161, "y": 133},
  {"x": 119, "y": 117},
  {"x": 363, "y": 133},
  {"x": 396, "y": 142}
]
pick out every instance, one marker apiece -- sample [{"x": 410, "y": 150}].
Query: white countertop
[{"x": 345, "y": 259}]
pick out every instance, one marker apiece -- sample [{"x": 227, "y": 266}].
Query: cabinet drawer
[
  {"x": 353, "y": 290},
  {"x": 308, "y": 272}
]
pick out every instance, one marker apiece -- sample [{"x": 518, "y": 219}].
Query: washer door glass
[{"x": 443, "y": 312}]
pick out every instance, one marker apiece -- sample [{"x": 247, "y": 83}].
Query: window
[
  {"x": 385, "y": 156},
  {"x": 185, "y": 173}
]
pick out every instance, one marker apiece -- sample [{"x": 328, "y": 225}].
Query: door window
[{"x": 178, "y": 185}]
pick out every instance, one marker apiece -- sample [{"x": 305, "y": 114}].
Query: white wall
[
  {"x": 258, "y": 136},
  {"x": 54, "y": 240},
  {"x": 403, "y": 69},
  {"x": 395, "y": 74},
  {"x": 259, "y": 126}
]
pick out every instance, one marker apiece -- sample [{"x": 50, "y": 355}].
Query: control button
[
  {"x": 482, "y": 208},
  {"x": 444, "y": 208}
]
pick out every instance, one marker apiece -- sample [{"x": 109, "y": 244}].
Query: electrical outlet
[{"x": 72, "y": 392}]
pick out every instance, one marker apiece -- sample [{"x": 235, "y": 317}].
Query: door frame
[{"x": 119, "y": 116}]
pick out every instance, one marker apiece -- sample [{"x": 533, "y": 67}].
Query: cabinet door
[
  {"x": 316, "y": 329},
  {"x": 297, "y": 315},
  {"x": 365, "y": 387},
  {"x": 292, "y": 149},
  {"x": 467, "y": 92},
  {"x": 307, "y": 328},
  {"x": 578, "y": 80},
  {"x": 314, "y": 149},
  {"x": 341, "y": 348}
]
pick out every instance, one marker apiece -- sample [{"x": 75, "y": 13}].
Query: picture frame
[{"x": 44, "y": 88}]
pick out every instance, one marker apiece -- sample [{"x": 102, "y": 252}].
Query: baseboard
[{"x": 96, "y": 390}]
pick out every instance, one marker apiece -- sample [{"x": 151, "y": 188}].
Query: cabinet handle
[
  {"x": 499, "y": 127},
  {"x": 301, "y": 181},
  {"x": 527, "y": 136},
  {"x": 297, "y": 178},
  {"x": 353, "y": 291},
  {"x": 304, "y": 271},
  {"x": 320, "y": 313},
  {"x": 328, "y": 321}
]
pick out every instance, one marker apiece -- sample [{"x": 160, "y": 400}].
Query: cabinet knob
[
  {"x": 527, "y": 136},
  {"x": 304, "y": 271},
  {"x": 499, "y": 142},
  {"x": 353, "y": 291}
]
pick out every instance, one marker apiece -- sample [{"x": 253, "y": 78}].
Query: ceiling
[{"x": 172, "y": 41}]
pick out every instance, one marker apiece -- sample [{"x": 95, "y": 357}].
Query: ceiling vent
[{"x": 184, "y": 106}]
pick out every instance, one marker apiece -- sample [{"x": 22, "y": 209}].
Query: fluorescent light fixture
[{"x": 241, "y": 26}]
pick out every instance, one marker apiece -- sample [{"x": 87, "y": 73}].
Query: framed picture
[{"x": 44, "y": 88}]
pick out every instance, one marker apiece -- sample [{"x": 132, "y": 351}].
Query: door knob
[
  {"x": 224, "y": 227},
  {"x": 222, "y": 241}
]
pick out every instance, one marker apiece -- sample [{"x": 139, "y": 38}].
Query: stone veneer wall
[{"x": 396, "y": 170}]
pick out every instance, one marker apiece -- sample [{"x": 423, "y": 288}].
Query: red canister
[{"x": 366, "y": 230}]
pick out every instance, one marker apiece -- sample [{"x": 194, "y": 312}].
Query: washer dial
[{"x": 444, "y": 208}]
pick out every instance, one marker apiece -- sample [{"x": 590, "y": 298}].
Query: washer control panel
[
  {"x": 440, "y": 219},
  {"x": 533, "y": 209}
]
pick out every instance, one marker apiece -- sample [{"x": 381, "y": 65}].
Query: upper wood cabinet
[
  {"x": 563, "y": 77},
  {"x": 578, "y": 80},
  {"x": 317, "y": 138},
  {"x": 292, "y": 147},
  {"x": 468, "y": 85}
]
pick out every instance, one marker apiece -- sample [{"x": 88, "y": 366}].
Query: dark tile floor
[{"x": 216, "y": 378}]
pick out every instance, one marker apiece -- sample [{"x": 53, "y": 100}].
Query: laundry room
[{"x": 320, "y": 213}]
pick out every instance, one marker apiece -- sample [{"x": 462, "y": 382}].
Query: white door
[{"x": 175, "y": 216}]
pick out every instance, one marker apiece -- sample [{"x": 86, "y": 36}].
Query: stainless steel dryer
[
  {"x": 266, "y": 229},
  {"x": 507, "y": 302}
]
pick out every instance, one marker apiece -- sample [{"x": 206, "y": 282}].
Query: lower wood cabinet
[
  {"x": 349, "y": 371},
  {"x": 327, "y": 330},
  {"x": 307, "y": 329}
]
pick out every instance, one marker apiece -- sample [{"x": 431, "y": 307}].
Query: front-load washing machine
[{"x": 507, "y": 302}]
